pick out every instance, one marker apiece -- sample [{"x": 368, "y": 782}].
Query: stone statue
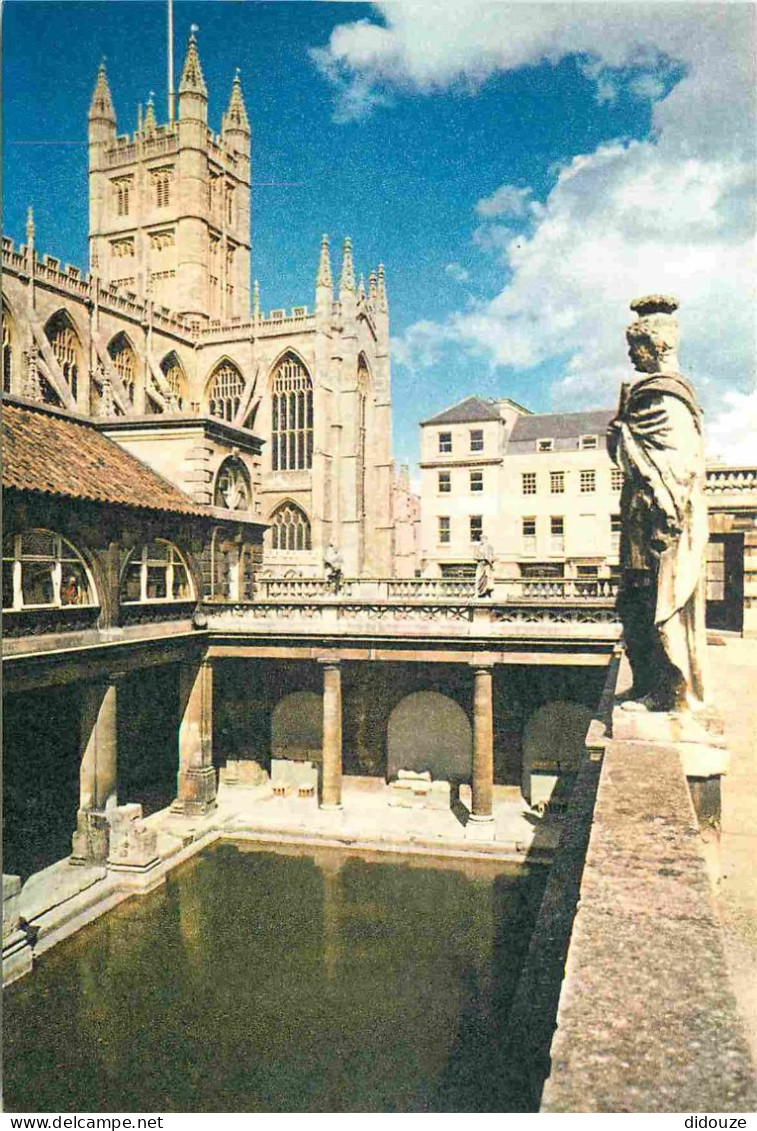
[
  {"x": 484, "y": 556},
  {"x": 656, "y": 439},
  {"x": 332, "y": 561}
]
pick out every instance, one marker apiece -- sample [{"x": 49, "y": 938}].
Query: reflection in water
[{"x": 272, "y": 981}]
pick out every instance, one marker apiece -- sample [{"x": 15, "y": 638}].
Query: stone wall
[
  {"x": 646, "y": 1019},
  {"x": 247, "y": 692}
]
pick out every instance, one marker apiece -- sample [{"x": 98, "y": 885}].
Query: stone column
[
  {"x": 97, "y": 772},
  {"x": 483, "y": 744},
  {"x": 99, "y": 746},
  {"x": 331, "y": 792},
  {"x": 197, "y": 776}
]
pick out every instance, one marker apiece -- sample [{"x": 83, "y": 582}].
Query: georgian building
[
  {"x": 162, "y": 346},
  {"x": 541, "y": 489}
]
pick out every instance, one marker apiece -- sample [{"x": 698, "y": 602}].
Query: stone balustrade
[
  {"x": 432, "y": 589},
  {"x": 305, "y": 588},
  {"x": 350, "y": 617},
  {"x": 722, "y": 480}
]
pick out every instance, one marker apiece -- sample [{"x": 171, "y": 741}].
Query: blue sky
[{"x": 494, "y": 158}]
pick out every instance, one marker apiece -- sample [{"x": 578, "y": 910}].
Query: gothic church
[{"x": 161, "y": 344}]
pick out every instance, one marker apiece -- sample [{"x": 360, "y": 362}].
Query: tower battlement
[{"x": 169, "y": 215}]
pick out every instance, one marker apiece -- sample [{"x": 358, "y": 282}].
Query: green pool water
[{"x": 276, "y": 981}]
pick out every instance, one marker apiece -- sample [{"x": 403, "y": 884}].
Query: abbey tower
[{"x": 169, "y": 206}]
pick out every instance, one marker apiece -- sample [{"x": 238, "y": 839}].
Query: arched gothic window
[
  {"x": 43, "y": 570},
  {"x": 65, "y": 344},
  {"x": 363, "y": 390},
  {"x": 124, "y": 362},
  {"x": 173, "y": 371},
  {"x": 233, "y": 489},
  {"x": 290, "y": 528},
  {"x": 292, "y": 430},
  {"x": 161, "y": 179},
  {"x": 156, "y": 572},
  {"x": 225, "y": 391},
  {"x": 7, "y": 353}
]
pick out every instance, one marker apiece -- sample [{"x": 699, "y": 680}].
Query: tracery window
[
  {"x": 124, "y": 362},
  {"x": 161, "y": 179},
  {"x": 363, "y": 387},
  {"x": 290, "y": 528},
  {"x": 233, "y": 489},
  {"x": 7, "y": 354},
  {"x": 225, "y": 392},
  {"x": 292, "y": 405},
  {"x": 41, "y": 570},
  {"x": 65, "y": 345},
  {"x": 122, "y": 190},
  {"x": 173, "y": 371},
  {"x": 156, "y": 572}
]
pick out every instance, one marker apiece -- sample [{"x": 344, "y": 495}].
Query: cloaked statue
[{"x": 656, "y": 439}]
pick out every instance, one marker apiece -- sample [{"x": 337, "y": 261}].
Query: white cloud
[
  {"x": 672, "y": 213},
  {"x": 648, "y": 86},
  {"x": 732, "y": 432},
  {"x": 437, "y": 44},
  {"x": 457, "y": 272},
  {"x": 420, "y": 345},
  {"x": 507, "y": 200}
]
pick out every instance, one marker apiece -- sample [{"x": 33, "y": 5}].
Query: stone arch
[
  {"x": 291, "y": 388},
  {"x": 224, "y": 388},
  {"x": 554, "y": 740},
  {"x": 232, "y": 488},
  {"x": 289, "y": 352},
  {"x": 364, "y": 373},
  {"x": 297, "y": 726},
  {"x": 156, "y": 571},
  {"x": 66, "y": 343},
  {"x": 176, "y": 376},
  {"x": 290, "y": 528},
  {"x": 43, "y": 569},
  {"x": 124, "y": 358},
  {"x": 430, "y": 731}
]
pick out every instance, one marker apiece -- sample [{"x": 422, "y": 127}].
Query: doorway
[{"x": 725, "y": 582}]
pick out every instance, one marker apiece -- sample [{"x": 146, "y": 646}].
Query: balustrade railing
[
  {"x": 723, "y": 480},
  {"x": 302, "y": 588},
  {"x": 430, "y": 589},
  {"x": 425, "y": 587}
]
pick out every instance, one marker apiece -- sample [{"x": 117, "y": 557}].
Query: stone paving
[
  {"x": 734, "y": 677},
  {"x": 367, "y": 818}
]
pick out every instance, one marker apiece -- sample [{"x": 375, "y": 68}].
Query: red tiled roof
[{"x": 57, "y": 455}]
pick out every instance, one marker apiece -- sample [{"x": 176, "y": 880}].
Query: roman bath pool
[{"x": 283, "y": 980}]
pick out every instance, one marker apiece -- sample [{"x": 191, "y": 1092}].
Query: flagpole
[{"x": 170, "y": 64}]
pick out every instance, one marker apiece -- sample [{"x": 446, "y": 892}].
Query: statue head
[{"x": 653, "y": 337}]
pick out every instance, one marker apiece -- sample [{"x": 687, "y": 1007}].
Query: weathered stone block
[
  {"x": 91, "y": 841},
  {"x": 11, "y": 894},
  {"x": 243, "y": 772},
  {"x": 288, "y": 775},
  {"x": 133, "y": 846}
]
